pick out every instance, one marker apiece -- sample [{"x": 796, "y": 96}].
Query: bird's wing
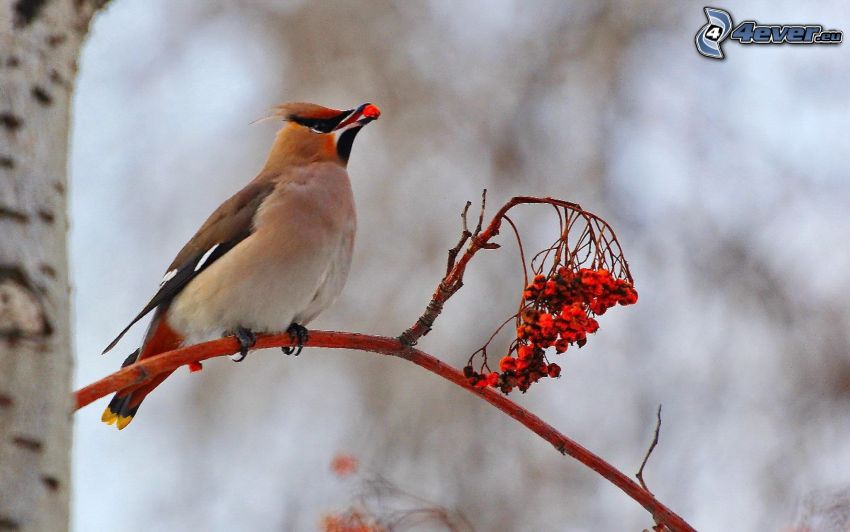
[{"x": 231, "y": 223}]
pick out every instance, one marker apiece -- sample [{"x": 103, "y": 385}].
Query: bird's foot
[
  {"x": 299, "y": 335},
  {"x": 247, "y": 339}
]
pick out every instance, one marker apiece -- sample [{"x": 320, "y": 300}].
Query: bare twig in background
[
  {"x": 659, "y": 525},
  {"x": 652, "y": 445},
  {"x": 396, "y": 509}
]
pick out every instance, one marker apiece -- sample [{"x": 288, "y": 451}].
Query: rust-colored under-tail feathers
[{"x": 125, "y": 403}]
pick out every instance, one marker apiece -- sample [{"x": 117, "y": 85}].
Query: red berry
[
  {"x": 525, "y": 352},
  {"x": 508, "y": 363}
]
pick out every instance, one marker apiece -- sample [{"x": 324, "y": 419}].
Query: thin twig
[
  {"x": 521, "y": 251},
  {"x": 147, "y": 368},
  {"x": 498, "y": 329},
  {"x": 464, "y": 236},
  {"x": 652, "y": 445},
  {"x": 481, "y": 213}
]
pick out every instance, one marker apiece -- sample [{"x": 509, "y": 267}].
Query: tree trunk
[{"x": 39, "y": 48}]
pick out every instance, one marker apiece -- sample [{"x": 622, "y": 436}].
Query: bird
[{"x": 270, "y": 258}]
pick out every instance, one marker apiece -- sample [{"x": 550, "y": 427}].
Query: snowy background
[{"x": 726, "y": 182}]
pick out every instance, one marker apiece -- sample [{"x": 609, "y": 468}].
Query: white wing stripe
[
  {"x": 204, "y": 257},
  {"x": 168, "y": 276}
]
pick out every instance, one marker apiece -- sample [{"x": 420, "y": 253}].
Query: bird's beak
[{"x": 360, "y": 116}]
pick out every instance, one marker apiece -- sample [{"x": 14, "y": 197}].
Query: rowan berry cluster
[
  {"x": 352, "y": 520},
  {"x": 559, "y": 311}
]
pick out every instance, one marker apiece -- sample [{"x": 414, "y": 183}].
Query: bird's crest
[{"x": 323, "y": 119}]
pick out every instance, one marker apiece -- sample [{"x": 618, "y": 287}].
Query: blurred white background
[{"x": 725, "y": 181}]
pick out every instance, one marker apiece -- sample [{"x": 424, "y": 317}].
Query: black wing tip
[
  {"x": 109, "y": 347},
  {"x": 120, "y": 335}
]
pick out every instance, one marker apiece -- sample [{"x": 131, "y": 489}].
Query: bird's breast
[{"x": 290, "y": 268}]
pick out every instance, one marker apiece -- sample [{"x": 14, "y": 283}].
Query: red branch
[{"x": 149, "y": 367}]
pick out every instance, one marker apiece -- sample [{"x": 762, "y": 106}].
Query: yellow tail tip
[
  {"x": 123, "y": 421},
  {"x": 111, "y": 418}
]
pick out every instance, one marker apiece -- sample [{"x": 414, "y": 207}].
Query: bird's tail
[{"x": 125, "y": 404}]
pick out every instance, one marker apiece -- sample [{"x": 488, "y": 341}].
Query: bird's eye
[{"x": 318, "y": 125}]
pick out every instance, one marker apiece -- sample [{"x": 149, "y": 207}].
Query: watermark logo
[
  {"x": 710, "y": 36},
  {"x": 719, "y": 27}
]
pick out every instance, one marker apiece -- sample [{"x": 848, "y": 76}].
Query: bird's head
[{"x": 314, "y": 125}]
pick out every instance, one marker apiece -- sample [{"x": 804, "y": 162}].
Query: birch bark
[{"x": 40, "y": 42}]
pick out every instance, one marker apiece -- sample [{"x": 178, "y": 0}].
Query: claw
[
  {"x": 299, "y": 335},
  {"x": 247, "y": 339}
]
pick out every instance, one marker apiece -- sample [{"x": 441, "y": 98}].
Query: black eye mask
[{"x": 321, "y": 125}]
